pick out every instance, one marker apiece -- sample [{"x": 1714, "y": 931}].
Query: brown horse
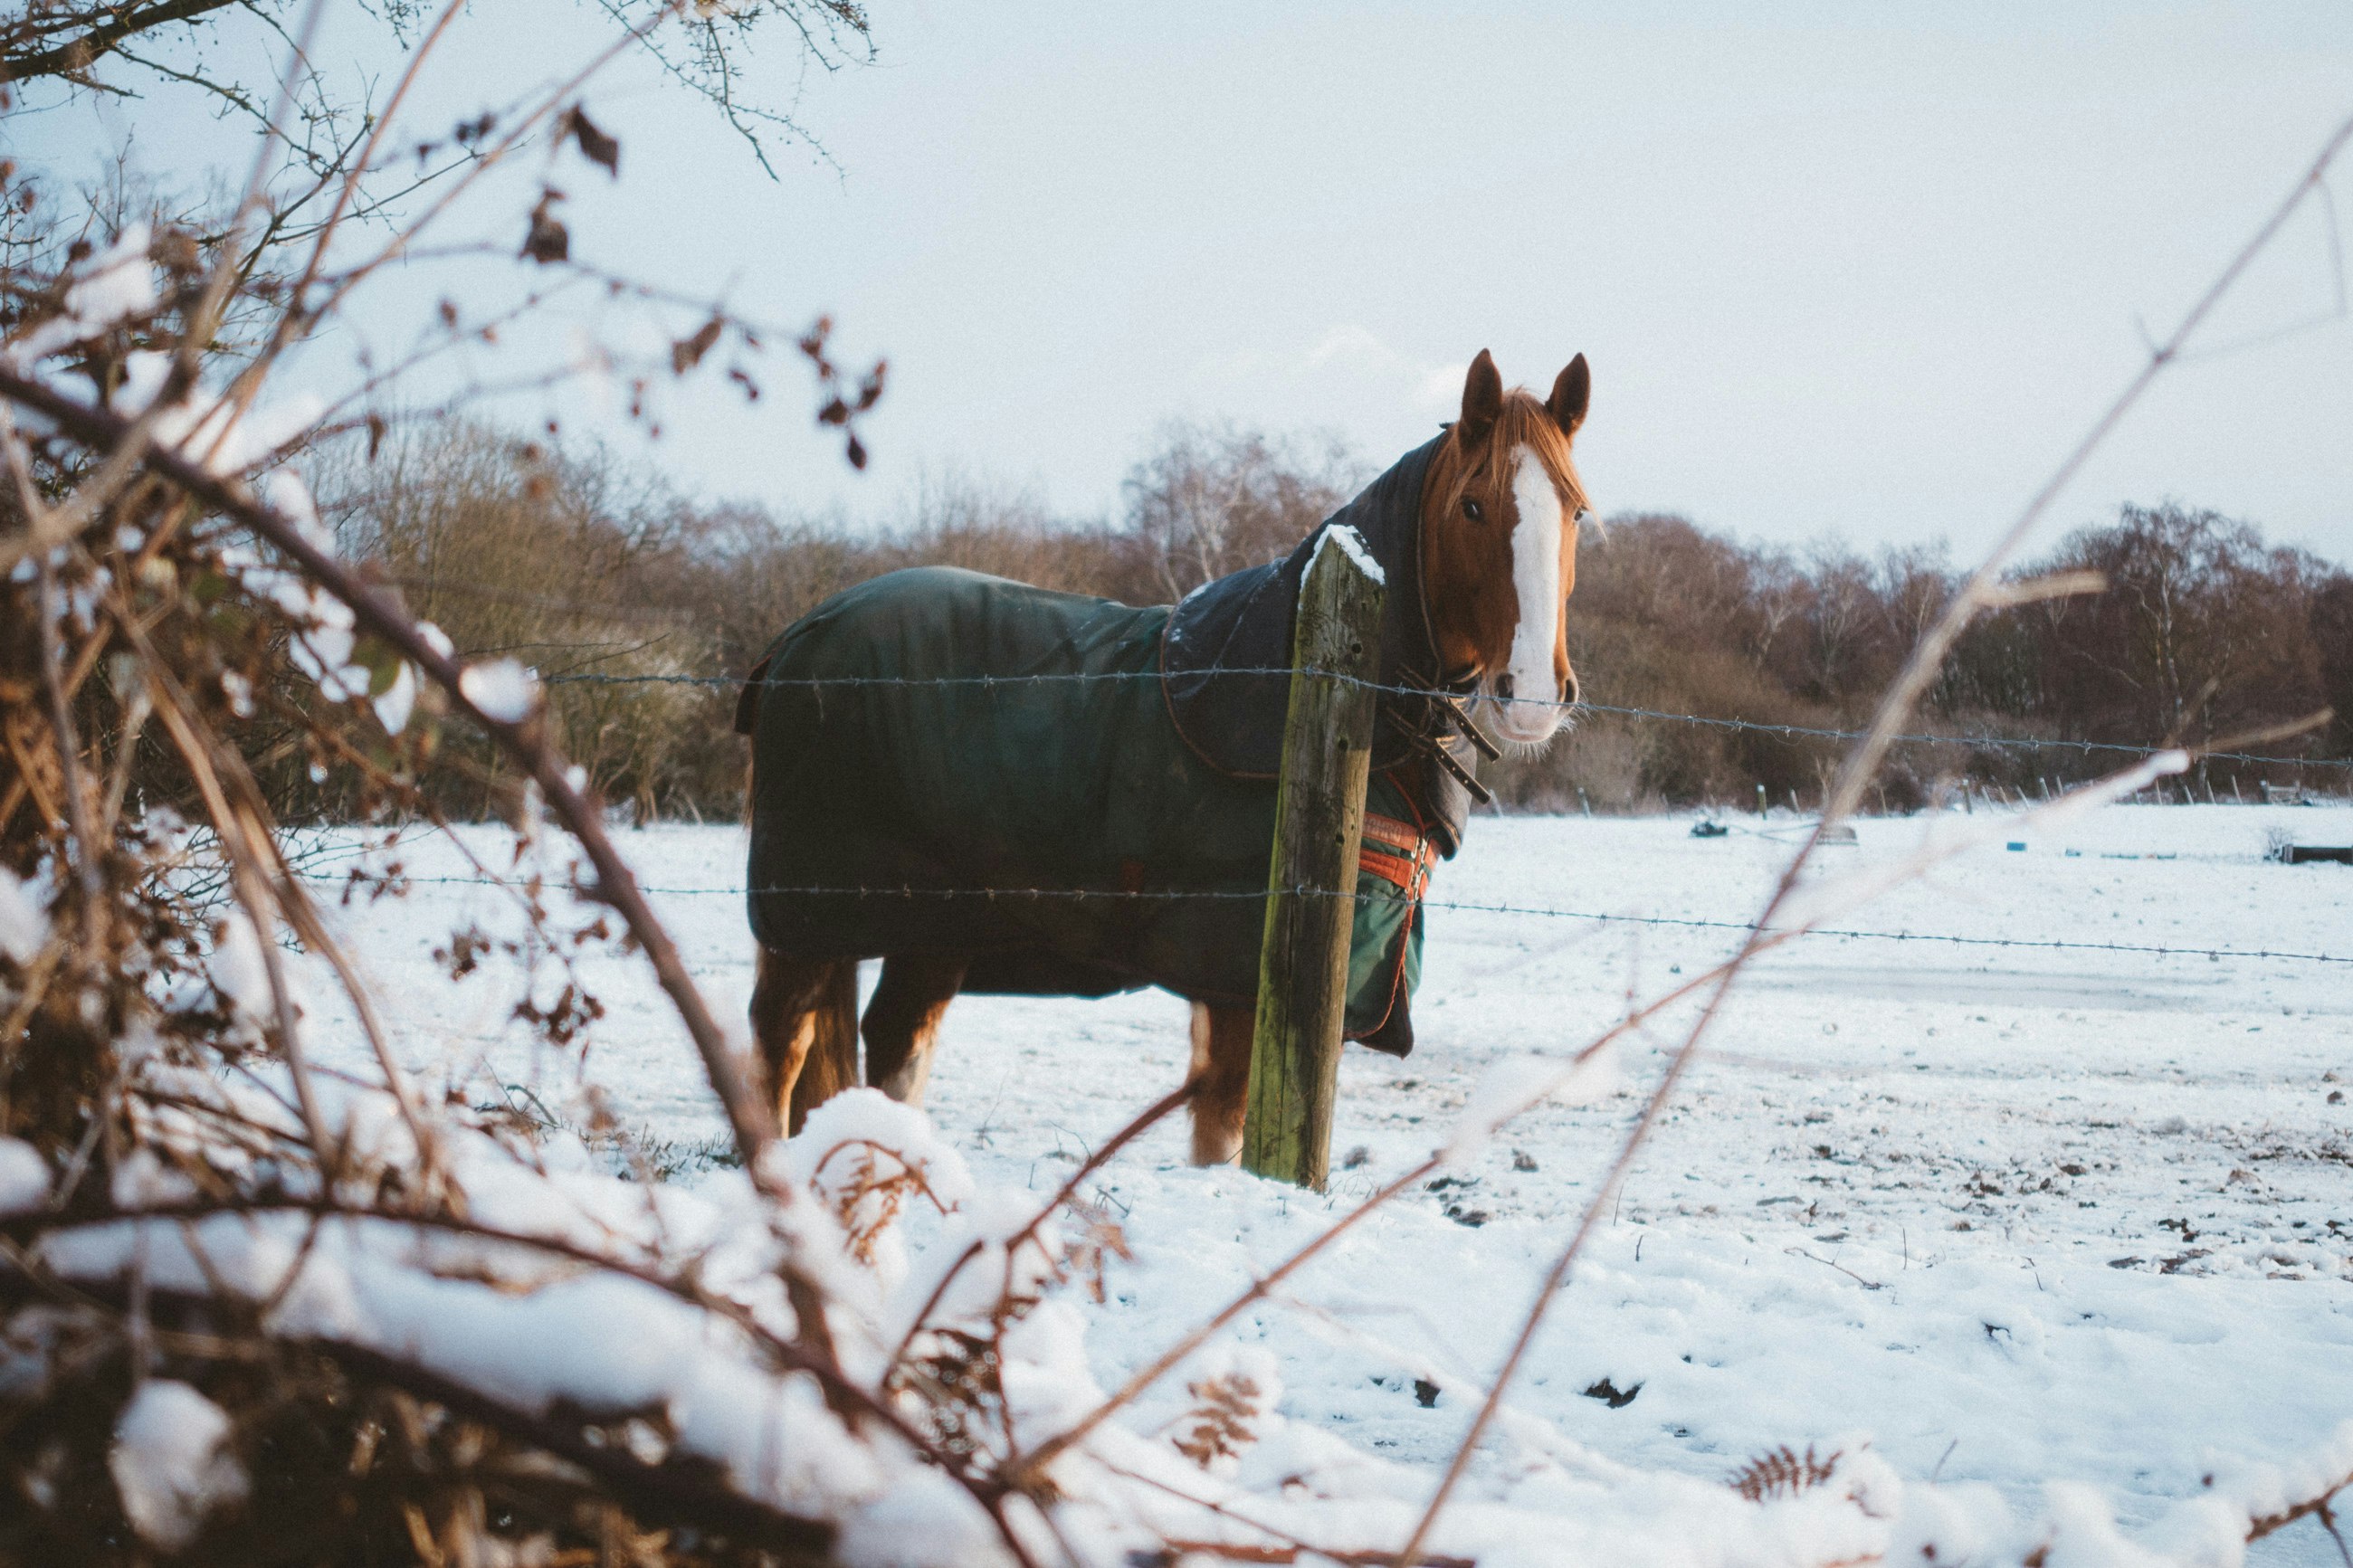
[{"x": 1498, "y": 517}]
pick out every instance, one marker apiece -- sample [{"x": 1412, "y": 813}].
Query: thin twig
[
  {"x": 196, "y": 748},
  {"x": 247, "y": 384},
  {"x": 89, "y": 872},
  {"x": 46, "y": 528},
  {"x": 348, "y": 281},
  {"x": 1846, "y": 794}
]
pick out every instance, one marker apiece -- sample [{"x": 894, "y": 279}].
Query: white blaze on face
[{"x": 1536, "y": 575}]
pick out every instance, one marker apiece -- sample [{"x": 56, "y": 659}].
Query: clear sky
[{"x": 1854, "y": 269}]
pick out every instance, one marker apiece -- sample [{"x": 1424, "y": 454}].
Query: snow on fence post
[{"x": 1319, "y": 821}]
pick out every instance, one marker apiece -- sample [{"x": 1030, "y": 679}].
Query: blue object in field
[{"x": 2015, "y": 844}]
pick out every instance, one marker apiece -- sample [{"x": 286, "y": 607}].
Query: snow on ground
[{"x": 2005, "y": 1213}]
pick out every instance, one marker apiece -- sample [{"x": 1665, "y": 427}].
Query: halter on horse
[{"x": 919, "y": 793}]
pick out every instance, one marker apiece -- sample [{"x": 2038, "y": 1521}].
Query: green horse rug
[{"x": 1080, "y": 794}]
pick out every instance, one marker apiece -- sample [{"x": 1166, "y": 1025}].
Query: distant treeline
[{"x": 582, "y": 565}]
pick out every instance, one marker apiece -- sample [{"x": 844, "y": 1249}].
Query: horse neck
[{"x": 1417, "y": 646}]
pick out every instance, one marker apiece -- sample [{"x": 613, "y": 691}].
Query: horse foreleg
[
  {"x": 903, "y": 1022},
  {"x": 805, "y": 1017},
  {"x": 1221, "y": 1064}
]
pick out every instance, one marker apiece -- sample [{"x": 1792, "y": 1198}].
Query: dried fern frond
[
  {"x": 958, "y": 1377},
  {"x": 1224, "y": 1420},
  {"x": 1783, "y": 1472},
  {"x": 865, "y": 1196},
  {"x": 1099, "y": 1240}
]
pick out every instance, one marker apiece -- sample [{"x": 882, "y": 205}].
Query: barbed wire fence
[{"x": 992, "y": 684}]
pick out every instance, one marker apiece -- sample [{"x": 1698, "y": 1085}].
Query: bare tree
[{"x": 1209, "y": 500}]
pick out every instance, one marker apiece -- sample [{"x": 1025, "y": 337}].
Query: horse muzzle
[{"x": 1526, "y": 721}]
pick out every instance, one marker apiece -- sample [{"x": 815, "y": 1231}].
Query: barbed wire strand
[
  {"x": 1990, "y": 743},
  {"x": 1110, "y": 895}
]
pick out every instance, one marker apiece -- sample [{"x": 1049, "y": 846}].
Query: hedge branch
[
  {"x": 684, "y": 1493},
  {"x": 840, "y": 1390}
]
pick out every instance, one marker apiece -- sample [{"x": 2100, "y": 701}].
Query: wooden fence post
[{"x": 1319, "y": 821}]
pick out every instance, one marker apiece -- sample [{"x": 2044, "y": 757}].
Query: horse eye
[{"x": 1470, "y": 510}]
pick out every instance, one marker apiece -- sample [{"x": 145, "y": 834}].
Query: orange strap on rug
[{"x": 1409, "y": 872}]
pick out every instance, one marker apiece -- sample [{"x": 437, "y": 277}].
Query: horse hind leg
[
  {"x": 903, "y": 1021},
  {"x": 1220, "y": 1076},
  {"x": 804, "y": 1018},
  {"x": 832, "y": 1064}
]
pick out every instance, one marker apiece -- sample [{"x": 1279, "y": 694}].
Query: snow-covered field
[{"x": 2012, "y": 1215}]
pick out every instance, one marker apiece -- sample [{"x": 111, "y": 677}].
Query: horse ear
[
  {"x": 1483, "y": 400},
  {"x": 1570, "y": 393}
]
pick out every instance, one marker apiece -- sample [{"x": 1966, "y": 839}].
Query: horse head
[{"x": 1499, "y": 520}]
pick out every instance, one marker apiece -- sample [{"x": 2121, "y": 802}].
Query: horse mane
[{"x": 1523, "y": 421}]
